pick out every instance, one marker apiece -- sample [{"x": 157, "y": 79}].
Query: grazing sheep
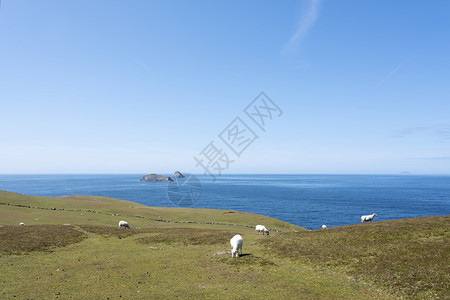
[
  {"x": 22, "y": 224},
  {"x": 324, "y": 226},
  {"x": 236, "y": 242},
  {"x": 368, "y": 218},
  {"x": 262, "y": 228},
  {"x": 124, "y": 224}
]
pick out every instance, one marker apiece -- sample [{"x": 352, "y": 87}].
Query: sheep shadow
[
  {"x": 229, "y": 252},
  {"x": 245, "y": 254},
  {"x": 245, "y": 259}
]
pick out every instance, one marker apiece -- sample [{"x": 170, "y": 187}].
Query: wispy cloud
[
  {"x": 441, "y": 131},
  {"x": 432, "y": 158},
  {"x": 306, "y": 22},
  {"x": 408, "y": 131}
]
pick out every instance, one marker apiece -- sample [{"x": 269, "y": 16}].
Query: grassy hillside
[
  {"x": 16, "y": 208},
  {"x": 93, "y": 259},
  {"x": 409, "y": 256}
]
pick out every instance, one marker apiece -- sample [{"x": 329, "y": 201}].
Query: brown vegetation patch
[
  {"x": 187, "y": 236},
  {"x": 112, "y": 231},
  {"x": 23, "y": 239}
]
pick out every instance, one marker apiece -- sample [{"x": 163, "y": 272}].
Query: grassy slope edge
[{"x": 97, "y": 210}]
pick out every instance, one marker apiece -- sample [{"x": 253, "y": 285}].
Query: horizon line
[{"x": 218, "y": 176}]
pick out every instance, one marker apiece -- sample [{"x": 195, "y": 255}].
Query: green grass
[
  {"x": 141, "y": 267},
  {"x": 93, "y": 259}
]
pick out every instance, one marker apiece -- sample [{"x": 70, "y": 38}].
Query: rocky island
[{"x": 161, "y": 178}]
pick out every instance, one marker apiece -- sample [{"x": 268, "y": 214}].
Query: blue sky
[{"x": 144, "y": 86}]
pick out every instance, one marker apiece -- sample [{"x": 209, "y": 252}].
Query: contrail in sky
[
  {"x": 389, "y": 75},
  {"x": 419, "y": 53}
]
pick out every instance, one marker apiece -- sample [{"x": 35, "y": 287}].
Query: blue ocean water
[{"x": 305, "y": 200}]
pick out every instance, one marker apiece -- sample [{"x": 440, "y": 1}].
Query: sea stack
[{"x": 178, "y": 174}]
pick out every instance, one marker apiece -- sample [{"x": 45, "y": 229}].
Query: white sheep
[
  {"x": 262, "y": 228},
  {"x": 324, "y": 226},
  {"x": 368, "y": 218},
  {"x": 124, "y": 224},
  {"x": 22, "y": 224},
  {"x": 236, "y": 242}
]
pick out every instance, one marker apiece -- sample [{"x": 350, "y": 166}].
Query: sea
[{"x": 308, "y": 201}]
